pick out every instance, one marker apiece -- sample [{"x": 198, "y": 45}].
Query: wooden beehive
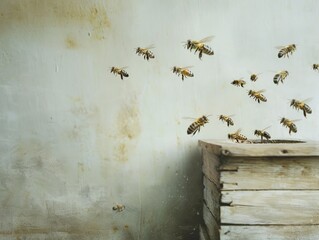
[{"x": 260, "y": 191}]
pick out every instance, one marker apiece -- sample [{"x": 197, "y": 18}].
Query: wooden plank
[
  {"x": 270, "y": 173},
  {"x": 226, "y": 148},
  {"x": 211, "y": 224},
  {"x": 269, "y": 232},
  {"x": 270, "y": 207},
  {"x": 203, "y": 235},
  {"x": 212, "y": 198},
  {"x": 211, "y": 165}
]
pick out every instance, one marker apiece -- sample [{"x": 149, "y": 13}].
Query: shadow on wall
[{"x": 178, "y": 213}]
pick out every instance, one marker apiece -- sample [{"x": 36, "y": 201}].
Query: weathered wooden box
[{"x": 260, "y": 191}]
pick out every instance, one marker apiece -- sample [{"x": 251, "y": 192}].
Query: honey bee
[
  {"x": 119, "y": 71},
  {"x": 200, "y": 46},
  {"x": 118, "y": 207},
  {"x": 145, "y": 52},
  {"x": 254, "y": 76},
  {"x": 195, "y": 126},
  {"x": 238, "y": 82},
  {"x": 257, "y": 95},
  {"x": 280, "y": 76},
  {"x": 262, "y": 134},
  {"x": 301, "y": 105},
  {"x": 289, "y": 124},
  {"x": 315, "y": 67},
  {"x": 227, "y": 119},
  {"x": 286, "y": 50},
  {"x": 184, "y": 71},
  {"x": 237, "y": 136}
]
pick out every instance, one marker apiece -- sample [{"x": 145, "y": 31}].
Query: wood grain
[
  {"x": 226, "y": 148},
  {"x": 203, "y": 235},
  {"x": 270, "y": 207},
  {"x": 212, "y": 198},
  {"x": 269, "y": 232},
  {"x": 211, "y": 224},
  {"x": 270, "y": 173},
  {"x": 211, "y": 164}
]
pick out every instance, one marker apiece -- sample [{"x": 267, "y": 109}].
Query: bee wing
[
  {"x": 187, "y": 67},
  {"x": 295, "y": 120},
  {"x": 266, "y": 128},
  {"x": 238, "y": 131},
  {"x": 189, "y": 118},
  {"x": 150, "y": 46},
  {"x": 123, "y": 67},
  {"x": 261, "y": 91},
  {"x": 280, "y": 47},
  {"x": 307, "y": 100},
  {"x": 206, "y": 39}
]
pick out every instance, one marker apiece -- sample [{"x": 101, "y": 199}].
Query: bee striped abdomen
[
  {"x": 195, "y": 126},
  {"x": 257, "y": 96},
  {"x": 280, "y": 77},
  {"x": 284, "y": 52},
  {"x": 226, "y": 119}
]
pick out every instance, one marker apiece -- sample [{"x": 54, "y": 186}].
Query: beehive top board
[{"x": 277, "y": 148}]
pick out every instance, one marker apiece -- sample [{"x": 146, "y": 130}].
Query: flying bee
[
  {"x": 262, "y": 134},
  {"x": 119, "y": 71},
  {"x": 280, "y": 76},
  {"x": 227, "y": 119},
  {"x": 254, "y": 76},
  {"x": 286, "y": 50},
  {"x": 195, "y": 126},
  {"x": 301, "y": 105},
  {"x": 200, "y": 46},
  {"x": 257, "y": 95},
  {"x": 289, "y": 124},
  {"x": 239, "y": 82},
  {"x": 145, "y": 52},
  {"x": 237, "y": 136},
  {"x": 184, "y": 71},
  {"x": 118, "y": 207},
  {"x": 315, "y": 67}
]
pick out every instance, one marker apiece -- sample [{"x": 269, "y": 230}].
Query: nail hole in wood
[{"x": 284, "y": 151}]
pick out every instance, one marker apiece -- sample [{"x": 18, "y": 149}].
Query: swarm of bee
[
  {"x": 289, "y": 124},
  {"x": 238, "y": 83},
  {"x": 286, "y": 50},
  {"x": 301, "y": 105},
  {"x": 184, "y": 71},
  {"x": 237, "y": 136},
  {"x": 119, "y": 71},
  {"x": 145, "y": 52},
  {"x": 200, "y": 46},
  {"x": 227, "y": 120},
  {"x": 257, "y": 95},
  {"x": 281, "y": 76},
  {"x": 197, "y": 124},
  {"x": 118, "y": 207},
  {"x": 262, "y": 134}
]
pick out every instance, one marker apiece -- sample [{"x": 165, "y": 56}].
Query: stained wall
[{"x": 75, "y": 139}]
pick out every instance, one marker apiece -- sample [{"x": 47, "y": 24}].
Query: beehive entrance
[{"x": 276, "y": 141}]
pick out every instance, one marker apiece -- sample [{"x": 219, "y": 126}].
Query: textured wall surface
[{"x": 75, "y": 139}]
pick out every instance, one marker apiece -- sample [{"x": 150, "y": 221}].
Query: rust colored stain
[
  {"x": 128, "y": 124},
  {"x": 59, "y": 12},
  {"x": 115, "y": 229},
  {"x": 128, "y": 129},
  {"x": 70, "y": 43},
  {"x": 121, "y": 152}
]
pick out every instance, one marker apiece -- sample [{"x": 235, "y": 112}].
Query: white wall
[{"x": 75, "y": 139}]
